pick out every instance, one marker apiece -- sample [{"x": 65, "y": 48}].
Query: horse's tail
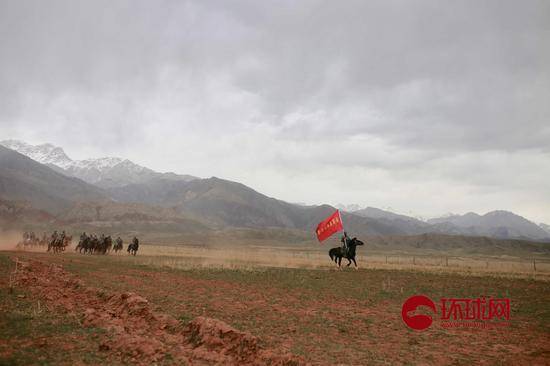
[{"x": 331, "y": 254}]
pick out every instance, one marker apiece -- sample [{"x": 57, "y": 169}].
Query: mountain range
[
  {"x": 103, "y": 172},
  {"x": 496, "y": 224},
  {"x": 23, "y": 179},
  {"x": 115, "y": 191}
]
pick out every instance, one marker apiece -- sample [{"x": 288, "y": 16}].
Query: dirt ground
[{"x": 101, "y": 309}]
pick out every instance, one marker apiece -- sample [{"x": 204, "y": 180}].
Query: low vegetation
[{"x": 325, "y": 316}]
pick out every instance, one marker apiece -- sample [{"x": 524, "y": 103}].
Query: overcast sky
[{"x": 426, "y": 107}]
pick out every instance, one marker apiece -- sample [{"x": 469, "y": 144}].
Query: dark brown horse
[
  {"x": 133, "y": 246},
  {"x": 336, "y": 254}
]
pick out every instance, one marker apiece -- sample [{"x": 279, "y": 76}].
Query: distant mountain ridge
[
  {"x": 128, "y": 191},
  {"x": 545, "y": 227},
  {"x": 23, "y": 179},
  {"x": 499, "y": 224},
  {"x": 103, "y": 172},
  {"x": 378, "y": 213},
  {"x": 348, "y": 208},
  {"x": 496, "y": 224}
]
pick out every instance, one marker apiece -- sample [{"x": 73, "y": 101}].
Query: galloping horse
[
  {"x": 133, "y": 246},
  {"x": 336, "y": 254},
  {"x": 58, "y": 245},
  {"x": 118, "y": 245}
]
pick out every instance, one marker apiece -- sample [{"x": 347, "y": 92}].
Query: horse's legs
[
  {"x": 356, "y": 267},
  {"x": 349, "y": 262}
]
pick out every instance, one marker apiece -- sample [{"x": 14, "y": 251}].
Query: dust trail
[{"x": 9, "y": 239}]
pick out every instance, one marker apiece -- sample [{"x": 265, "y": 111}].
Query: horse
[
  {"x": 133, "y": 247},
  {"x": 118, "y": 245},
  {"x": 104, "y": 245},
  {"x": 336, "y": 254},
  {"x": 68, "y": 241},
  {"x": 83, "y": 244},
  {"x": 59, "y": 244}
]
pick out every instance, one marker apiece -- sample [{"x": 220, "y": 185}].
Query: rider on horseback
[
  {"x": 134, "y": 245},
  {"x": 345, "y": 243}
]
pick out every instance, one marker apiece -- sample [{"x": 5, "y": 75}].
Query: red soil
[
  {"x": 325, "y": 326},
  {"x": 140, "y": 335}
]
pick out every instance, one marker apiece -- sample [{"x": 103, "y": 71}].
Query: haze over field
[{"x": 421, "y": 107}]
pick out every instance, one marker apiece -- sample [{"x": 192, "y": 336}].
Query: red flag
[{"x": 329, "y": 226}]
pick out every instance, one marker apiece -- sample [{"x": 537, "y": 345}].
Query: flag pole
[{"x": 342, "y": 221}]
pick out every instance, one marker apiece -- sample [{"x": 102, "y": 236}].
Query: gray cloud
[{"x": 428, "y": 106}]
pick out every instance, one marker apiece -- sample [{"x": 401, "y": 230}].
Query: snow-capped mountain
[
  {"x": 348, "y": 208},
  {"x": 44, "y": 153},
  {"x": 104, "y": 172}
]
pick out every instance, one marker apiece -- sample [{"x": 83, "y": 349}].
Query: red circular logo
[{"x": 417, "y": 322}]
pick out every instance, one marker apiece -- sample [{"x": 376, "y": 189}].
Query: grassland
[
  {"x": 326, "y": 316},
  {"x": 32, "y": 334}
]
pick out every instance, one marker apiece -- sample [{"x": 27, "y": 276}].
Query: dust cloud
[{"x": 9, "y": 239}]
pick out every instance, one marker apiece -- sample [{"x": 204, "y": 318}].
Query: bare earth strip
[{"x": 138, "y": 334}]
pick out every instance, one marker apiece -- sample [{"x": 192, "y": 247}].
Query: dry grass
[
  {"x": 232, "y": 255},
  {"x": 185, "y": 257}
]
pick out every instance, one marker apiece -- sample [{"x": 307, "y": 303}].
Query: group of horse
[
  {"x": 91, "y": 244},
  {"x": 88, "y": 244},
  {"x": 58, "y": 243},
  {"x": 55, "y": 242},
  {"x": 30, "y": 240}
]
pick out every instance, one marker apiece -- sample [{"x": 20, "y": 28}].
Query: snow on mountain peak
[
  {"x": 51, "y": 154},
  {"x": 44, "y": 153},
  {"x": 104, "y": 172},
  {"x": 99, "y": 164}
]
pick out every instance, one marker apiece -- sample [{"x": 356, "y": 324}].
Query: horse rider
[
  {"x": 345, "y": 243},
  {"x": 134, "y": 245},
  {"x": 54, "y": 237},
  {"x": 62, "y": 237},
  {"x": 119, "y": 242}
]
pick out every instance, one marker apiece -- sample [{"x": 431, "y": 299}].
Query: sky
[{"x": 424, "y": 107}]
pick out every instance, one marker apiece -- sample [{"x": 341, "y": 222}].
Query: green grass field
[{"x": 325, "y": 316}]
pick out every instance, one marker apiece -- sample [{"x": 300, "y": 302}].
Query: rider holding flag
[
  {"x": 330, "y": 226},
  {"x": 345, "y": 243}
]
